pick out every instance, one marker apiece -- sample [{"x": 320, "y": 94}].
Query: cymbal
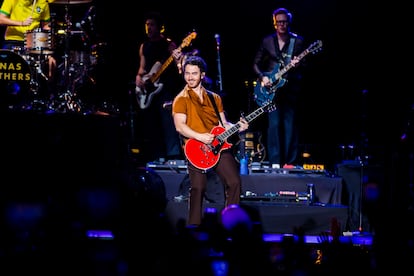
[{"x": 69, "y": 2}]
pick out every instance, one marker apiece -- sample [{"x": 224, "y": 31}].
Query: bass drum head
[{"x": 15, "y": 77}]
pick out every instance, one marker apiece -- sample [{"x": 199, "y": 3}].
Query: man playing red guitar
[{"x": 197, "y": 121}]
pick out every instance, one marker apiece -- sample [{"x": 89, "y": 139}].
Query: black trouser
[{"x": 228, "y": 172}]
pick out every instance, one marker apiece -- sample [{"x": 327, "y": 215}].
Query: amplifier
[
  {"x": 280, "y": 197},
  {"x": 168, "y": 165}
]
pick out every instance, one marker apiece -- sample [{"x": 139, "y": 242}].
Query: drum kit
[{"x": 24, "y": 73}]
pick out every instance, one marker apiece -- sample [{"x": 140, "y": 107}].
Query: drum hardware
[
  {"x": 18, "y": 50},
  {"x": 97, "y": 52},
  {"x": 38, "y": 77},
  {"x": 67, "y": 100},
  {"x": 70, "y": 2},
  {"x": 74, "y": 69},
  {"x": 37, "y": 65}
]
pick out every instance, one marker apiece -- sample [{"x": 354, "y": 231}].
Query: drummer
[{"x": 24, "y": 16}]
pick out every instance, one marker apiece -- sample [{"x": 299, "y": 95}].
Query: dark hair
[
  {"x": 156, "y": 16},
  {"x": 283, "y": 11},
  {"x": 198, "y": 61}
]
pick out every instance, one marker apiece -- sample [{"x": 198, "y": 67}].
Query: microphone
[
  {"x": 217, "y": 37},
  {"x": 167, "y": 105},
  {"x": 88, "y": 15}
]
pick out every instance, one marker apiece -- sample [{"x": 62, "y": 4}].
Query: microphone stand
[
  {"x": 132, "y": 114},
  {"x": 362, "y": 157},
  {"x": 219, "y": 81},
  {"x": 361, "y": 191}
]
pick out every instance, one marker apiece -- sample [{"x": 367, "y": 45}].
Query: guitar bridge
[{"x": 216, "y": 149}]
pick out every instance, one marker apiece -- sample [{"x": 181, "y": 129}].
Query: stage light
[{"x": 306, "y": 155}]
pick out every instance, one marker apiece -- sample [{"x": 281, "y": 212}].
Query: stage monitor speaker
[{"x": 147, "y": 191}]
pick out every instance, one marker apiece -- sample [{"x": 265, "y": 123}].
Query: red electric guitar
[{"x": 203, "y": 156}]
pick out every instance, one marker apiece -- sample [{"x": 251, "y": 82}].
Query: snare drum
[
  {"x": 15, "y": 77},
  {"x": 38, "y": 41}
]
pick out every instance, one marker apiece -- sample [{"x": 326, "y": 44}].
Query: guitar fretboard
[
  {"x": 185, "y": 43},
  {"x": 290, "y": 65},
  {"x": 312, "y": 48},
  {"x": 229, "y": 132}
]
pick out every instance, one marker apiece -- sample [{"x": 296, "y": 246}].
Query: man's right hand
[
  {"x": 266, "y": 81},
  {"x": 177, "y": 54},
  {"x": 28, "y": 21}
]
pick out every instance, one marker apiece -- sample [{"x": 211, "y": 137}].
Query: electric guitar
[
  {"x": 152, "y": 86},
  {"x": 205, "y": 156},
  {"x": 263, "y": 94}
]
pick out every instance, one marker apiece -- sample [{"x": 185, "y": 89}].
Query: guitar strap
[
  {"x": 289, "y": 53},
  {"x": 213, "y": 102}
]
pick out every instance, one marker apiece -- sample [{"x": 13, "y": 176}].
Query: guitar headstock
[
  {"x": 186, "y": 41},
  {"x": 315, "y": 46}
]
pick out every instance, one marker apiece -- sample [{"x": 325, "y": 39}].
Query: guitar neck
[
  {"x": 290, "y": 65},
  {"x": 185, "y": 43},
  {"x": 157, "y": 75},
  {"x": 226, "y": 134}
]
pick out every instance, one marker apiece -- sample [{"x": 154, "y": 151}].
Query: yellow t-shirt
[{"x": 20, "y": 10}]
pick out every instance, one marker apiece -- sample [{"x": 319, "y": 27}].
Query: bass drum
[{"x": 15, "y": 79}]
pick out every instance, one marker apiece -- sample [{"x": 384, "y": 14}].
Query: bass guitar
[
  {"x": 152, "y": 86},
  {"x": 205, "y": 156},
  {"x": 263, "y": 94}
]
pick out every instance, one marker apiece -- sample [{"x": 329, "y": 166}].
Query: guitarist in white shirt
[
  {"x": 275, "y": 52},
  {"x": 156, "y": 127}
]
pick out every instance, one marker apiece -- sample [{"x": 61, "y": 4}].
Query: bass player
[{"x": 157, "y": 135}]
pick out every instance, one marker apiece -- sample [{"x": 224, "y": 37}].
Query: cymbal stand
[
  {"x": 70, "y": 103},
  {"x": 36, "y": 64}
]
